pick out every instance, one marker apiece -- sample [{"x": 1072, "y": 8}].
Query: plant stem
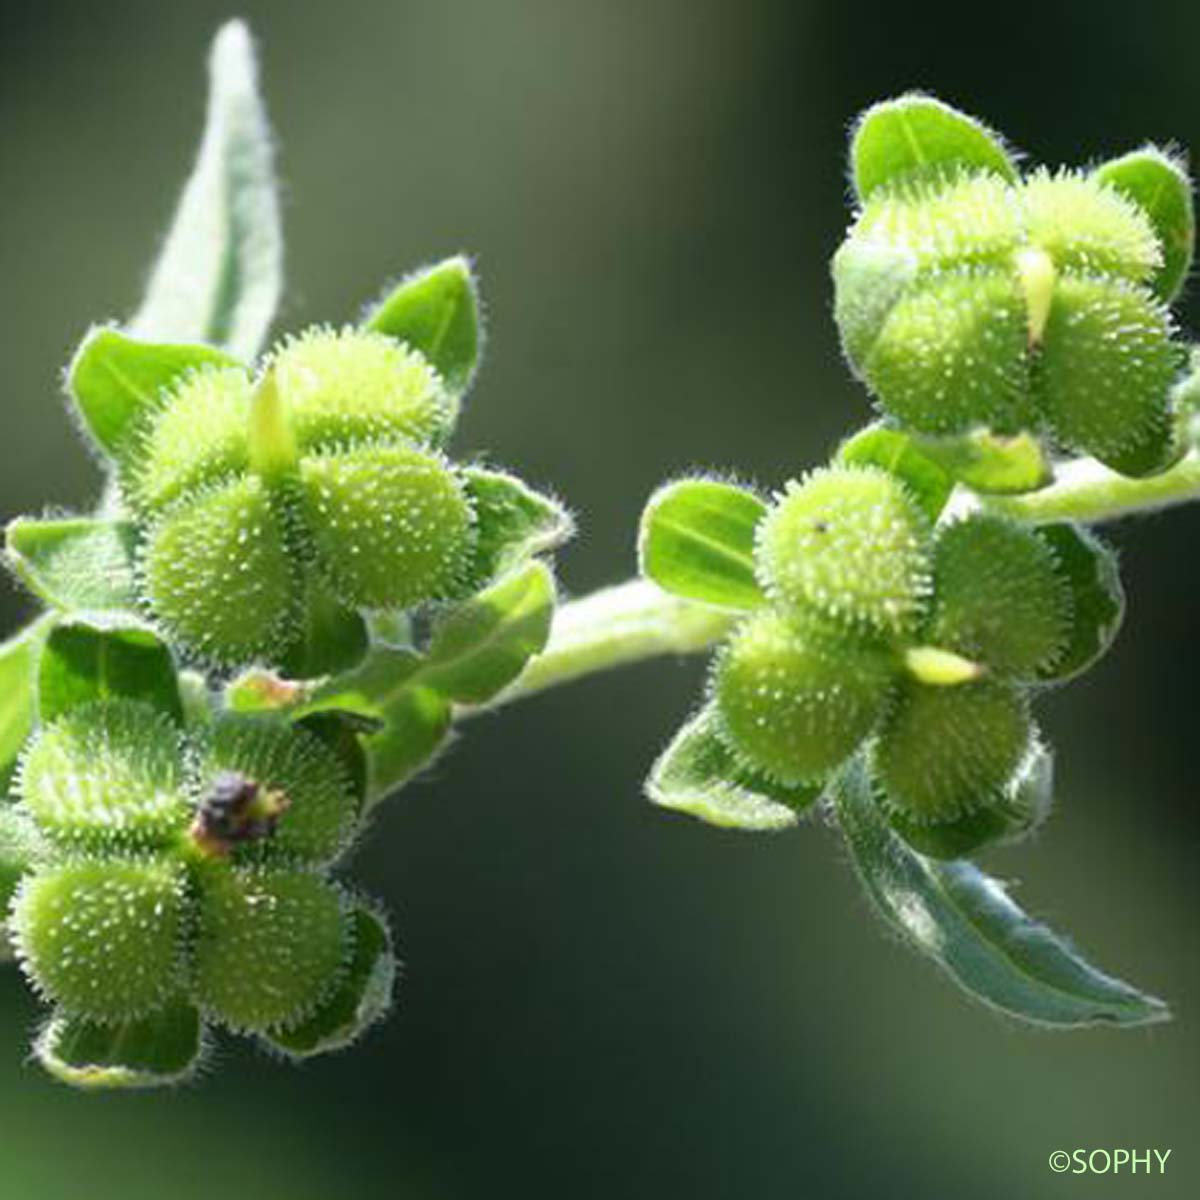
[
  {"x": 614, "y": 626},
  {"x": 1085, "y": 491}
]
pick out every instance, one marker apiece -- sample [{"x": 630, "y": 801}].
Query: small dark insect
[
  {"x": 821, "y": 526},
  {"x": 236, "y": 810}
]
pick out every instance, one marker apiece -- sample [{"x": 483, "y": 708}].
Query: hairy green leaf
[
  {"x": 900, "y": 455},
  {"x": 416, "y": 726},
  {"x": 481, "y": 646},
  {"x": 98, "y": 656},
  {"x": 414, "y": 718},
  {"x": 1089, "y": 569},
  {"x": 362, "y": 998},
  {"x": 436, "y": 311},
  {"x": 162, "y": 1048},
  {"x": 18, "y": 684},
  {"x": 697, "y": 541},
  {"x": 969, "y": 926},
  {"x": 113, "y": 379},
  {"x": 220, "y": 273},
  {"x": 1160, "y": 185},
  {"x": 991, "y": 463},
  {"x": 698, "y": 775},
  {"x": 76, "y": 562},
  {"x": 513, "y": 523},
  {"x": 917, "y": 138}
]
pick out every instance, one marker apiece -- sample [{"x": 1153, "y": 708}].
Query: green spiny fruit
[
  {"x": 972, "y": 220},
  {"x": 349, "y": 386},
  {"x": 217, "y": 574},
  {"x": 967, "y": 300},
  {"x": 105, "y": 776},
  {"x": 946, "y": 752},
  {"x": 315, "y": 799},
  {"x": 849, "y": 544},
  {"x": 1023, "y": 808},
  {"x": 951, "y": 355},
  {"x": 389, "y": 525},
  {"x": 102, "y": 937},
  {"x": 270, "y": 946},
  {"x": 1087, "y": 227},
  {"x": 1104, "y": 374},
  {"x": 795, "y": 697},
  {"x": 998, "y": 596},
  {"x": 193, "y": 440}
]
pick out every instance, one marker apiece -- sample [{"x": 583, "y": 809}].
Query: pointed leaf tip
[
  {"x": 436, "y": 311},
  {"x": 220, "y": 272},
  {"x": 968, "y": 924}
]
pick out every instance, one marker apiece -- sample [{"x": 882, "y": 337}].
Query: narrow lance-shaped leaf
[
  {"x": 362, "y": 998},
  {"x": 1159, "y": 184},
  {"x": 513, "y": 523},
  {"x": 75, "y": 563},
  {"x": 160, "y": 1049},
  {"x": 220, "y": 272},
  {"x": 969, "y": 926},
  {"x": 436, "y": 311},
  {"x": 484, "y": 644},
  {"x": 114, "y": 379},
  {"x": 97, "y": 656},
  {"x": 698, "y": 775},
  {"x": 899, "y": 455},
  {"x": 917, "y": 138},
  {"x": 697, "y": 541}
]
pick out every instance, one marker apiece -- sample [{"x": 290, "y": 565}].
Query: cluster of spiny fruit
[
  {"x": 969, "y": 295},
  {"x": 174, "y": 879},
  {"x": 921, "y": 642},
  {"x": 162, "y": 875}
]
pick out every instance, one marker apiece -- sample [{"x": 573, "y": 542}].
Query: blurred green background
[{"x": 603, "y": 1001}]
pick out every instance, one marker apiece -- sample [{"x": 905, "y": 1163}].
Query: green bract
[
  {"x": 968, "y": 296},
  {"x": 267, "y": 502}
]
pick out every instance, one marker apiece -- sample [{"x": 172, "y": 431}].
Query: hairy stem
[
  {"x": 1085, "y": 491},
  {"x": 617, "y": 625}
]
